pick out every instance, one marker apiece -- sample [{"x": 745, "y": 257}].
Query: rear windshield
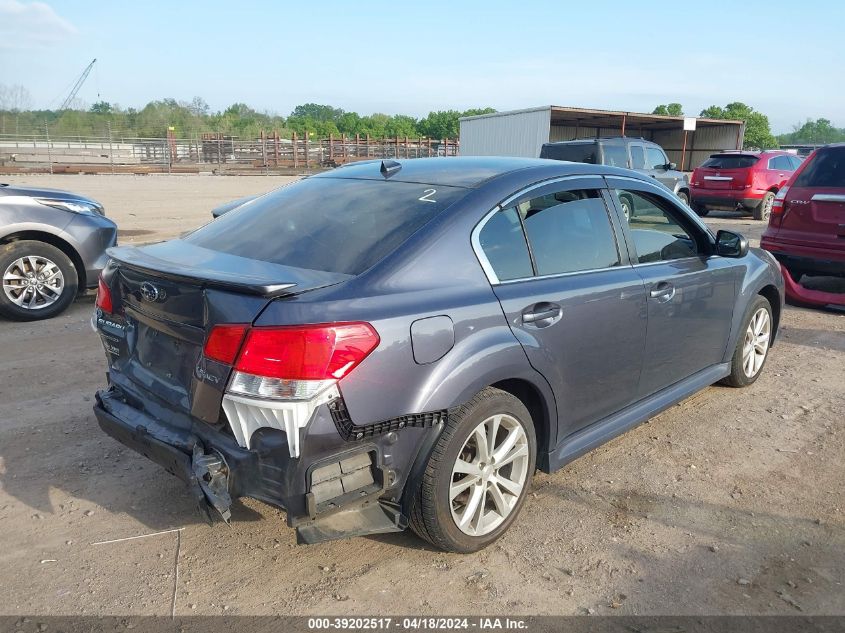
[
  {"x": 730, "y": 161},
  {"x": 576, "y": 152},
  {"x": 827, "y": 169},
  {"x": 330, "y": 224}
]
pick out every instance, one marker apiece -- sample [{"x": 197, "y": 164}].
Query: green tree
[
  {"x": 758, "y": 134},
  {"x": 101, "y": 107},
  {"x": 317, "y": 112},
  {"x": 669, "y": 109},
  {"x": 445, "y": 123},
  {"x": 818, "y": 132}
]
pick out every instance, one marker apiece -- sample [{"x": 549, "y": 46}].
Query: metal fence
[{"x": 208, "y": 152}]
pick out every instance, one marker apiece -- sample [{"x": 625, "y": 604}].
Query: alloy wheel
[
  {"x": 489, "y": 475},
  {"x": 756, "y": 344},
  {"x": 33, "y": 282}
]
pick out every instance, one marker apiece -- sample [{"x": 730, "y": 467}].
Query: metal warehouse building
[{"x": 523, "y": 132}]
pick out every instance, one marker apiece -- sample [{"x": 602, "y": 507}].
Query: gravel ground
[{"x": 729, "y": 503}]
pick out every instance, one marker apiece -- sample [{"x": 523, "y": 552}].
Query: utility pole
[
  {"x": 49, "y": 151},
  {"x": 111, "y": 152}
]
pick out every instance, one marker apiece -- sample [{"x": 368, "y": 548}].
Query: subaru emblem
[{"x": 151, "y": 292}]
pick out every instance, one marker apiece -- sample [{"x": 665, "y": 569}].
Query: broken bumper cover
[
  {"x": 334, "y": 496},
  {"x": 797, "y": 293}
]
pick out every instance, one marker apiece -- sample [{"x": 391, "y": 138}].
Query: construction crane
[{"x": 66, "y": 103}]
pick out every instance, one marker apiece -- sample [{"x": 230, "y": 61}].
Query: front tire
[
  {"x": 39, "y": 281},
  {"x": 752, "y": 348},
  {"x": 477, "y": 475},
  {"x": 684, "y": 197}
]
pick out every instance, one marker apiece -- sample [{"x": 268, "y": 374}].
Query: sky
[{"x": 785, "y": 59}]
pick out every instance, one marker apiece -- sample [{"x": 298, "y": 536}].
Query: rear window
[
  {"x": 329, "y": 224},
  {"x": 827, "y": 169},
  {"x": 575, "y": 152},
  {"x": 730, "y": 161}
]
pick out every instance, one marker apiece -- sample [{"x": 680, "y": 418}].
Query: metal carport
[{"x": 523, "y": 132}]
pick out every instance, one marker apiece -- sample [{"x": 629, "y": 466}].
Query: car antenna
[{"x": 389, "y": 167}]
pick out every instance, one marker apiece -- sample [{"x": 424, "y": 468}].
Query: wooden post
[
  {"x": 305, "y": 134},
  {"x": 331, "y": 146},
  {"x": 295, "y": 161},
  {"x": 684, "y": 151},
  {"x": 264, "y": 150},
  {"x": 276, "y": 147},
  {"x": 357, "y": 145},
  {"x": 624, "y": 120},
  {"x": 368, "y": 145},
  {"x": 343, "y": 142}
]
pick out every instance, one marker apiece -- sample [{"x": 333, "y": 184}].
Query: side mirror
[
  {"x": 730, "y": 244},
  {"x": 670, "y": 166}
]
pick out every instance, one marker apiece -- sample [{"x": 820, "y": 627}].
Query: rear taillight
[
  {"x": 104, "y": 300},
  {"x": 289, "y": 362},
  {"x": 779, "y": 206},
  {"x": 224, "y": 342},
  {"x": 282, "y": 374}
]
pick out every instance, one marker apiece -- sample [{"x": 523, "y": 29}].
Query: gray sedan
[
  {"x": 52, "y": 247},
  {"x": 402, "y": 344}
]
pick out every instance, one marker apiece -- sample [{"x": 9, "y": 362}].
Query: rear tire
[
  {"x": 684, "y": 197},
  {"x": 39, "y": 281},
  {"x": 477, "y": 475},
  {"x": 752, "y": 347},
  {"x": 699, "y": 209},
  {"x": 763, "y": 210}
]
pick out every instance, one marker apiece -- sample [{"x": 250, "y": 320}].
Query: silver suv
[
  {"x": 620, "y": 151},
  {"x": 52, "y": 247}
]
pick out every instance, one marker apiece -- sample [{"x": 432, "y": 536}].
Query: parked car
[
  {"x": 52, "y": 247},
  {"x": 377, "y": 346},
  {"x": 741, "y": 181},
  {"x": 806, "y": 231},
  {"x": 621, "y": 151}
]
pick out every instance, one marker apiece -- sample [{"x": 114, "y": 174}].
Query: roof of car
[
  {"x": 631, "y": 139},
  {"x": 460, "y": 171}
]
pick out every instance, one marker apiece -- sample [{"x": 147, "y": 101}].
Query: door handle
[
  {"x": 541, "y": 312},
  {"x": 663, "y": 291}
]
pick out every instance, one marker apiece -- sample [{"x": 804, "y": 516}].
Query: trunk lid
[{"x": 167, "y": 297}]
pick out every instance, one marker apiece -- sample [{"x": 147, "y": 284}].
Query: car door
[
  {"x": 690, "y": 292},
  {"x": 780, "y": 170},
  {"x": 657, "y": 167},
  {"x": 569, "y": 294}
]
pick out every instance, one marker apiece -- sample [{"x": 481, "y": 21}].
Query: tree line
[
  {"x": 758, "y": 134},
  {"x": 194, "y": 118}
]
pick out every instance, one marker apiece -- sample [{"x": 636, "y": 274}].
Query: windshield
[
  {"x": 329, "y": 224},
  {"x": 730, "y": 161}
]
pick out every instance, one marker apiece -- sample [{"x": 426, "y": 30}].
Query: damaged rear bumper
[
  {"x": 797, "y": 293},
  {"x": 337, "y": 495}
]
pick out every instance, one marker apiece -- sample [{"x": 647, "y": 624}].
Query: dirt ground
[{"x": 729, "y": 503}]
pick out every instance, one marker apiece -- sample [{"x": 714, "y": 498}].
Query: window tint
[
  {"x": 503, "y": 242},
  {"x": 730, "y": 161},
  {"x": 655, "y": 159},
  {"x": 827, "y": 169},
  {"x": 782, "y": 163},
  {"x": 615, "y": 155},
  {"x": 330, "y": 224},
  {"x": 575, "y": 152},
  {"x": 796, "y": 162},
  {"x": 569, "y": 231},
  {"x": 637, "y": 157},
  {"x": 657, "y": 234}
]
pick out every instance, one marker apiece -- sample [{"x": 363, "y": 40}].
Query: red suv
[
  {"x": 806, "y": 231},
  {"x": 746, "y": 181}
]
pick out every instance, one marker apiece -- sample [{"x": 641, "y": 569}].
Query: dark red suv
[
  {"x": 744, "y": 181},
  {"x": 806, "y": 231}
]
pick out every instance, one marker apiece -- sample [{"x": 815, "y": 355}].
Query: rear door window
[
  {"x": 637, "y": 156},
  {"x": 329, "y": 224},
  {"x": 827, "y": 169},
  {"x": 569, "y": 231},
  {"x": 782, "y": 163}
]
